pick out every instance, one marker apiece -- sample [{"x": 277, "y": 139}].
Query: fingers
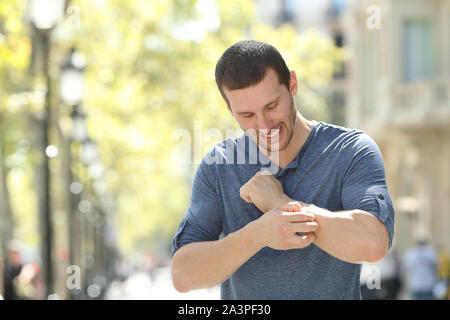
[
  {"x": 244, "y": 190},
  {"x": 298, "y": 216},
  {"x": 263, "y": 173},
  {"x": 296, "y": 213},
  {"x": 303, "y": 227},
  {"x": 244, "y": 194},
  {"x": 300, "y": 242},
  {"x": 246, "y": 198},
  {"x": 291, "y": 206},
  {"x": 305, "y": 240},
  {"x": 298, "y": 235}
]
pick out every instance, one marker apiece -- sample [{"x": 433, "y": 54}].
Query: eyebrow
[{"x": 266, "y": 105}]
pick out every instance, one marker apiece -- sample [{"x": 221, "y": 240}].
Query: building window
[
  {"x": 336, "y": 107},
  {"x": 338, "y": 39},
  {"x": 418, "y": 50}
]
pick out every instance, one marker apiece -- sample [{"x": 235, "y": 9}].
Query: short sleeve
[
  {"x": 364, "y": 183},
  {"x": 202, "y": 221}
]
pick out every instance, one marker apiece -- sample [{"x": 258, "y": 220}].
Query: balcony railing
[
  {"x": 420, "y": 101},
  {"x": 423, "y": 95}
]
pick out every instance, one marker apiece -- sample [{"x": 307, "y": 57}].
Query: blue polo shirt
[{"x": 337, "y": 168}]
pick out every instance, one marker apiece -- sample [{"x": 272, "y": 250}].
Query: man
[
  {"x": 420, "y": 265},
  {"x": 300, "y": 232}
]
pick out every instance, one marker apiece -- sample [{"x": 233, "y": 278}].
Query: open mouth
[{"x": 273, "y": 134}]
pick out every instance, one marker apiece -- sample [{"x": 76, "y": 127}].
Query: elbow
[
  {"x": 375, "y": 255},
  {"x": 177, "y": 283},
  {"x": 180, "y": 287},
  {"x": 378, "y": 245},
  {"x": 178, "y": 279},
  {"x": 377, "y": 250}
]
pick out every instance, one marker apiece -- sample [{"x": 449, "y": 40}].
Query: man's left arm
[
  {"x": 363, "y": 230},
  {"x": 353, "y": 236}
]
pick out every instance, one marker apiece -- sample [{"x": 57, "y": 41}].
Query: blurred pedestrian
[
  {"x": 18, "y": 276},
  {"x": 420, "y": 266}
]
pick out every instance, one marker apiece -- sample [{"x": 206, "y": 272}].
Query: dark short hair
[{"x": 245, "y": 64}]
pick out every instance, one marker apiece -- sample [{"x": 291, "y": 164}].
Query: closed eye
[{"x": 273, "y": 105}]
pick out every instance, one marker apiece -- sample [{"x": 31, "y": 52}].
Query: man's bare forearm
[
  {"x": 206, "y": 264},
  {"x": 353, "y": 236}
]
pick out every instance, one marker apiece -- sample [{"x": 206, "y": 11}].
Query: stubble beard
[{"x": 288, "y": 130}]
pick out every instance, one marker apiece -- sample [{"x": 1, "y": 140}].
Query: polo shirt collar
[{"x": 295, "y": 163}]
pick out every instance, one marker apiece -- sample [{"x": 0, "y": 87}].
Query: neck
[{"x": 302, "y": 129}]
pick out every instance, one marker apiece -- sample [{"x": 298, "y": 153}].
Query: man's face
[{"x": 266, "y": 111}]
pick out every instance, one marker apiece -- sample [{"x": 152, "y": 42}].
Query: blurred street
[
  {"x": 107, "y": 109},
  {"x": 141, "y": 286}
]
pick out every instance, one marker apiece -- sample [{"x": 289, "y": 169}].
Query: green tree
[{"x": 150, "y": 72}]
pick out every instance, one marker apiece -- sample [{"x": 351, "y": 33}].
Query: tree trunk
[{"x": 6, "y": 221}]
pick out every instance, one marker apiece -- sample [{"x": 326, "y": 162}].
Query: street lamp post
[
  {"x": 43, "y": 16},
  {"x": 71, "y": 89},
  {"x": 89, "y": 156},
  {"x": 91, "y": 159}
]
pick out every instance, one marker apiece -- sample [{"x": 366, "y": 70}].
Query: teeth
[{"x": 274, "y": 133}]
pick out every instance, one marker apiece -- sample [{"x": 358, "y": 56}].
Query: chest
[{"x": 318, "y": 186}]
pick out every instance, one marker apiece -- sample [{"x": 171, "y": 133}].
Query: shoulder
[
  {"x": 344, "y": 140},
  {"x": 225, "y": 151}
]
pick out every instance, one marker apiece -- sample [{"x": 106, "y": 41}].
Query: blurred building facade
[
  {"x": 325, "y": 17},
  {"x": 396, "y": 87},
  {"x": 399, "y": 93}
]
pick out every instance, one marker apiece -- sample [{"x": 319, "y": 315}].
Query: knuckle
[
  {"x": 312, "y": 226},
  {"x": 293, "y": 203}
]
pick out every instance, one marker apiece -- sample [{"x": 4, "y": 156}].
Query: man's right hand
[
  {"x": 277, "y": 228},
  {"x": 206, "y": 264}
]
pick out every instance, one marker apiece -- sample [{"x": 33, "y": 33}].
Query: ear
[{"x": 293, "y": 83}]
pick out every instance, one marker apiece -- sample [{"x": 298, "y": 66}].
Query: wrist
[
  {"x": 251, "y": 234},
  {"x": 282, "y": 200}
]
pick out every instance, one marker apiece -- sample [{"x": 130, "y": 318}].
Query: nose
[{"x": 263, "y": 123}]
